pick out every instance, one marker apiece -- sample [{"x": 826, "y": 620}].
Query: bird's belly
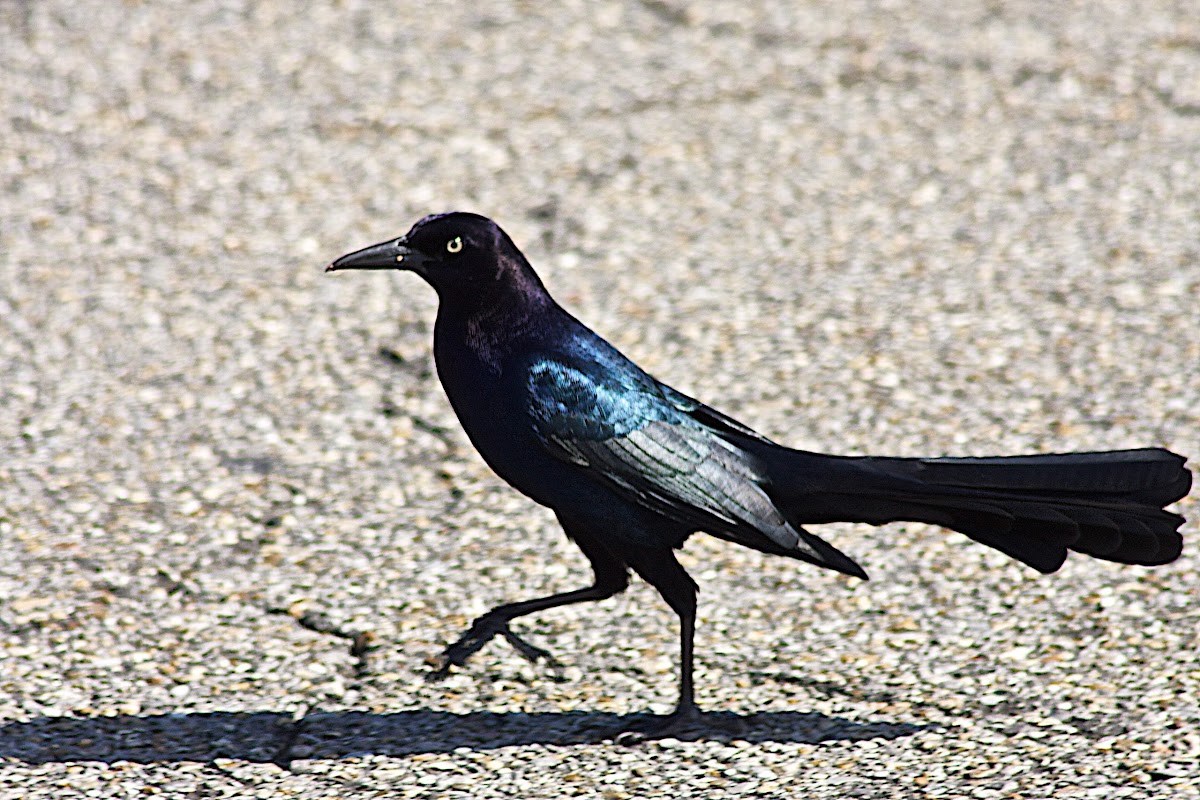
[{"x": 515, "y": 454}]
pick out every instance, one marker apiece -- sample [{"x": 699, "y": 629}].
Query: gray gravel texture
[{"x": 237, "y": 516}]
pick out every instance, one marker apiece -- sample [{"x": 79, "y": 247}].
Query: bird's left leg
[
  {"x": 660, "y": 569},
  {"x": 612, "y": 576}
]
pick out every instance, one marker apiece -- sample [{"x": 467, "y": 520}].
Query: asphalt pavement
[{"x": 237, "y": 516}]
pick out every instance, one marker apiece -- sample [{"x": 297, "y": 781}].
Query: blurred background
[{"x": 904, "y": 228}]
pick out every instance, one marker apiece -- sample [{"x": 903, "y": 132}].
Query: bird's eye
[{"x": 454, "y": 245}]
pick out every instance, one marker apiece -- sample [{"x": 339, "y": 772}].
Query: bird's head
[{"x": 459, "y": 254}]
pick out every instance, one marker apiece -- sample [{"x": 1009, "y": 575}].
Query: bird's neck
[{"x": 505, "y": 319}]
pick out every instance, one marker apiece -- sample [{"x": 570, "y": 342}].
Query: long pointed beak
[{"x": 392, "y": 254}]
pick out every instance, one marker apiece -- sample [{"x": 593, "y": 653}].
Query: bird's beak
[{"x": 392, "y": 254}]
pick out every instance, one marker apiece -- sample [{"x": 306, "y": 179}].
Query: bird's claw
[
  {"x": 687, "y": 724},
  {"x": 480, "y": 633}
]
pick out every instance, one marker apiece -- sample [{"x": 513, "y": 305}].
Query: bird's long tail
[{"x": 1033, "y": 508}]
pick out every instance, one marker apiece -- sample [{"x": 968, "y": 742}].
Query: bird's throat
[{"x": 491, "y": 332}]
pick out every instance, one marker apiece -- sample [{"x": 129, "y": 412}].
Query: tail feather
[
  {"x": 1033, "y": 508},
  {"x": 1149, "y": 475}
]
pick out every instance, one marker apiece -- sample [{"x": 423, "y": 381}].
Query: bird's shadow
[{"x": 273, "y": 737}]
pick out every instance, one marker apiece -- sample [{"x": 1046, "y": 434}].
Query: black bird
[{"x": 632, "y": 467}]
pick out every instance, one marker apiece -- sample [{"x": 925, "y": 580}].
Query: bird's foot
[
  {"x": 532, "y": 653},
  {"x": 687, "y": 723},
  {"x": 482, "y": 631}
]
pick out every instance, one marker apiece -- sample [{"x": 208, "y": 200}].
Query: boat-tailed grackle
[{"x": 632, "y": 467}]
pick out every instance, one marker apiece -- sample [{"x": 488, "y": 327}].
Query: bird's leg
[
  {"x": 661, "y": 570},
  {"x": 687, "y": 721},
  {"x": 686, "y": 710},
  {"x": 687, "y": 718},
  {"x": 495, "y": 623},
  {"x": 612, "y": 576}
]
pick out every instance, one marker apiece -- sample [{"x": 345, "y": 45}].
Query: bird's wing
[
  {"x": 620, "y": 426},
  {"x": 709, "y": 417}
]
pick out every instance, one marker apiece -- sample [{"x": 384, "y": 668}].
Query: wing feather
[
  {"x": 665, "y": 451},
  {"x": 645, "y": 444}
]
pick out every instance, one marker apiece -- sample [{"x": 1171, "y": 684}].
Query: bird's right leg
[{"x": 612, "y": 576}]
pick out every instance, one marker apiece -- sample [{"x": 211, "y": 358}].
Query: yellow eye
[{"x": 454, "y": 245}]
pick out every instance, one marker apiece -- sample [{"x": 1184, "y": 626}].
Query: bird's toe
[
  {"x": 687, "y": 724},
  {"x": 532, "y": 653},
  {"x": 480, "y": 633}
]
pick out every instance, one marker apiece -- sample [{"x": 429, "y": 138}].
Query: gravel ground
[{"x": 237, "y": 515}]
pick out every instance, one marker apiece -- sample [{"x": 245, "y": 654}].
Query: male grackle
[{"x": 632, "y": 467}]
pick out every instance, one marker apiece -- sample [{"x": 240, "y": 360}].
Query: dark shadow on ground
[{"x": 265, "y": 736}]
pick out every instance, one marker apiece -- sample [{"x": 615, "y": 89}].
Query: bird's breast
[{"x": 492, "y": 406}]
